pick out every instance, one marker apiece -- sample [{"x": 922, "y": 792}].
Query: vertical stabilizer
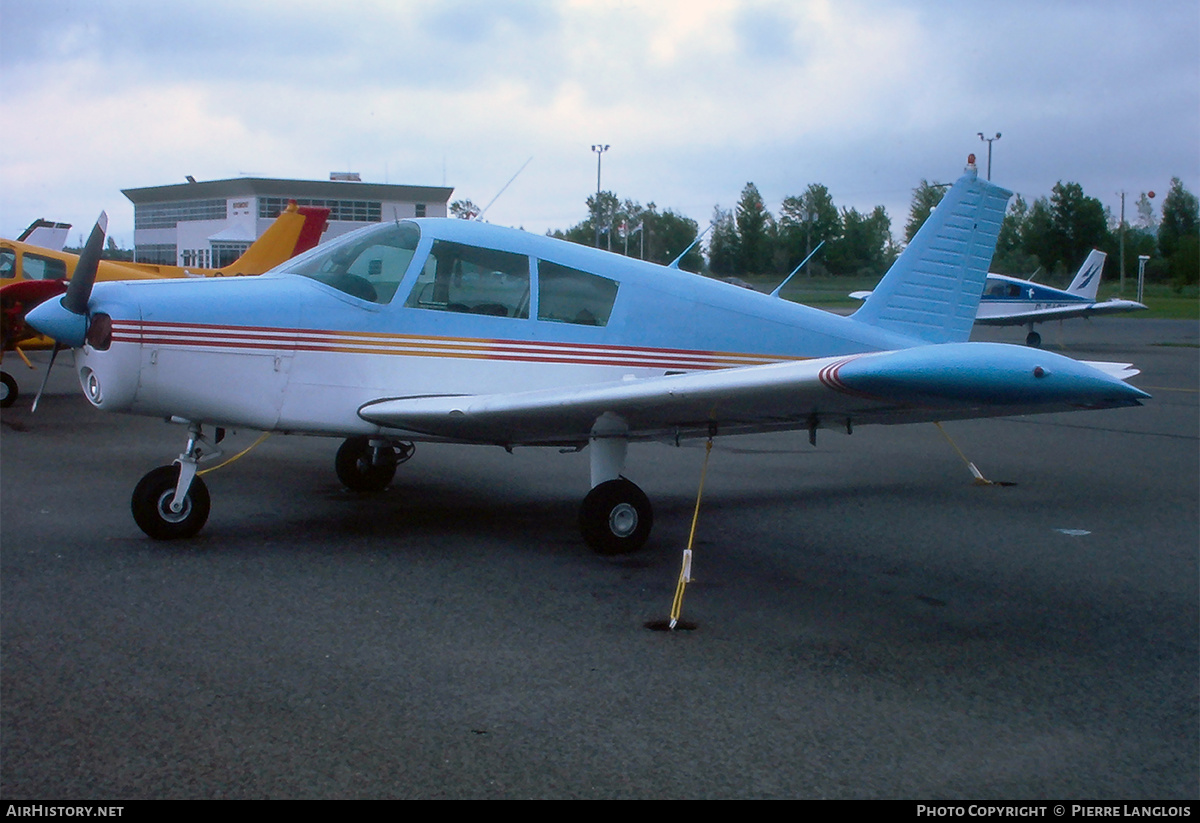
[
  {"x": 295, "y": 230},
  {"x": 1087, "y": 282},
  {"x": 932, "y": 291}
]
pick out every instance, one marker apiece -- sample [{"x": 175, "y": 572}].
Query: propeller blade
[
  {"x": 45, "y": 377},
  {"x": 80, "y": 287}
]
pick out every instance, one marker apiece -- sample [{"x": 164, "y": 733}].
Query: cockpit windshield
[{"x": 370, "y": 267}]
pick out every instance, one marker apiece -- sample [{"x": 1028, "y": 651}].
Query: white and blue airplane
[
  {"x": 1010, "y": 301},
  {"x": 457, "y": 331}
]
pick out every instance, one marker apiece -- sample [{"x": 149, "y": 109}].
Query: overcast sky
[{"x": 695, "y": 98}]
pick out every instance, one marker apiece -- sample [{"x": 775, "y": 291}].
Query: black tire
[
  {"x": 1033, "y": 340},
  {"x": 10, "y": 390},
  {"x": 152, "y": 500},
  {"x": 357, "y": 471},
  {"x": 616, "y": 518}
]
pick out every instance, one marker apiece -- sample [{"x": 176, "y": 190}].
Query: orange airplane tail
[{"x": 296, "y": 230}]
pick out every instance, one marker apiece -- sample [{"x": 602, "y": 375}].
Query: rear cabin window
[
  {"x": 567, "y": 295},
  {"x": 371, "y": 268},
  {"x": 472, "y": 280},
  {"x": 1000, "y": 288}
]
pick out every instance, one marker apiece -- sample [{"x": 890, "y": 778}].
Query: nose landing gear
[{"x": 171, "y": 502}]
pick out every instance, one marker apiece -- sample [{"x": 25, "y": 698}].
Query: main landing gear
[
  {"x": 615, "y": 517},
  {"x": 1033, "y": 339},
  {"x": 367, "y": 464}
]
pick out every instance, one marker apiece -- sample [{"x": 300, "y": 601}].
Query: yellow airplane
[{"x": 30, "y": 274}]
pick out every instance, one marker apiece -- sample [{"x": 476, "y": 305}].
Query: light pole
[
  {"x": 989, "y": 141},
  {"x": 599, "y": 148}
]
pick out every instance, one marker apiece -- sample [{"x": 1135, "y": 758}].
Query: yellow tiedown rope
[
  {"x": 685, "y": 571},
  {"x": 237, "y": 456},
  {"x": 980, "y": 480}
]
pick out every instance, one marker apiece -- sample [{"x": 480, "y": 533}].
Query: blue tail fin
[{"x": 932, "y": 291}]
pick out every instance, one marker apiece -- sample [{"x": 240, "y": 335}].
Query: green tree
[
  {"x": 925, "y": 197},
  {"x": 1010, "y": 256},
  {"x": 1179, "y": 233},
  {"x": 865, "y": 246},
  {"x": 723, "y": 244},
  {"x": 464, "y": 209},
  {"x": 805, "y": 221},
  {"x": 666, "y": 234},
  {"x": 1080, "y": 224},
  {"x": 756, "y": 232},
  {"x": 1180, "y": 218}
]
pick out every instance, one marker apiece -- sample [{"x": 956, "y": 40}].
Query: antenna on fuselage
[
  {"x": 675, "y": 262},
  {"x": 779, "y": 288},
  {"x": 479, "y": 217}
]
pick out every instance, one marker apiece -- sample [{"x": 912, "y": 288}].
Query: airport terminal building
[{"x": 209, "y": 224}]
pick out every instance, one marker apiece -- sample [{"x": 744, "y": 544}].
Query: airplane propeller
[
  {"x": 69, "y": 330},
  {"x": 80, "y": 287}
]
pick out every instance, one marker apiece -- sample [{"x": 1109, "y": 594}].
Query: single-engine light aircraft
[
  {"x": 30, "y": 274},
  {"x": 457, "y": 331},
  {"x": 1010, "y": 301}
]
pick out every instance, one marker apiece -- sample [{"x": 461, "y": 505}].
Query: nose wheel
[
  {"x": 153, "y": 508},
  {"x": 616, "y": 518}
]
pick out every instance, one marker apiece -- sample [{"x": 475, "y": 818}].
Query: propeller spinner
[{"x": 66, "y": 320}]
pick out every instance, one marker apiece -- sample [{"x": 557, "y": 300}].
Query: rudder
[{"x": 932, "y": 291}]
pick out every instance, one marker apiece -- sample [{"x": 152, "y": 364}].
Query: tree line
[{"x": 1052, "y": 233}]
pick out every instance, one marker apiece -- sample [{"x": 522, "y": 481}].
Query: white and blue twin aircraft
[
  {"x": 1010, "y": 301},
  {"x": 456, "y": 331}
]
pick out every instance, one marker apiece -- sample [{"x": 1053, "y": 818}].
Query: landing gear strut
[{"x": 364, "y": 464}]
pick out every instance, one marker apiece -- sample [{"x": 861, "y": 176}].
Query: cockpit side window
[
  {"x": 567, "y": 295},
  {"x": 36, "y": 267},
  {"x": 461, "y": 278},
  {"x": 8, "y": 263},
  {"x": 371, "y": 268}
]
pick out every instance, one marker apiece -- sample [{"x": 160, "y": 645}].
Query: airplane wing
[
  {"x": 936, "y": 382},
  {"x": 1020, "y": 318}
]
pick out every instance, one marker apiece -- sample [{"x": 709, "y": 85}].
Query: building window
[
  {"x": 159, "y": 254},
  {"x": 167, "y": 215},
  {"x": 420, "y": 209},
  {"x": 226, "y": 253},
  {"x": 196, "y": 258},
  {"x": 345, "y": 211}
]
